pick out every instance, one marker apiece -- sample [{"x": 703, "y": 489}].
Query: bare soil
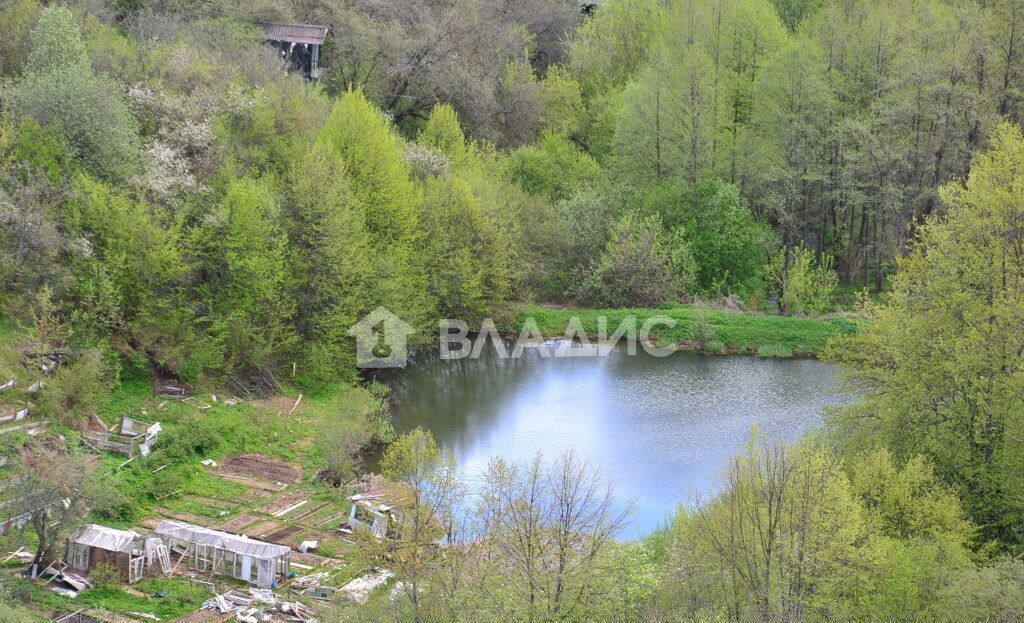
[
  {"x": 259, "y": 466},
  {"x": 283, "y": 502}
]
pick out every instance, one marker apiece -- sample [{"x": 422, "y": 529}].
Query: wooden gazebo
[{"x": 298, "y": 45}]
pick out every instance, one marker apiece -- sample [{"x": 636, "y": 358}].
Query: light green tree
[
  {"x": 939, "y": 360},
  {"x": 246, "y": 254}
]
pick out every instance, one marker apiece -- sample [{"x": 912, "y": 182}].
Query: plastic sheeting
[
  {"x": 109, "y": 539},
  {"x": 222, "y": 540}
]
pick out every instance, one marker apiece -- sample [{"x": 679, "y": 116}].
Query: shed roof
[
  {"x": 223, "y": 540},
  {"x": 294, "y": 33},
  {"x": 109, "y": 539}
]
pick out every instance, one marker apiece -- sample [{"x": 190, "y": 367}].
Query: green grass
[
  {"x": 190, "y": 435},
  {"x": 743, "y": 332},
  {"x": 774, "y": 350},
  {"x": 181, "y": 598}
]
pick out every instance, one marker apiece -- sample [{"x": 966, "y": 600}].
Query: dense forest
[{"x": 173, "y": 201}]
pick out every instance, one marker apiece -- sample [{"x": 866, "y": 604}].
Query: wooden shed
[
  {"x": 298, "y": 44},
  {"x": 128, "y": 552}
]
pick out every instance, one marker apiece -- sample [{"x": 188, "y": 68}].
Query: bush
[
  {"x": 105, "y": 576},
  {"x": 642, "y": 266},
  {"x": 730, "y": 247},
  {"x": 76, "y": 390},
  {"x": 702, "y": 331},
  {"x": 804, "y": 284}
]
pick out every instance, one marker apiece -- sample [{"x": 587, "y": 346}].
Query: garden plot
[
  {"x": 287, "y": 503},
  {"x": 263, "y": 467},
  {"x": 235, "y": 524},
  {"x": 263, "y": 528}
]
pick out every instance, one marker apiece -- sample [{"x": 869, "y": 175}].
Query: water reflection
[{"x": 660, "y": 428}]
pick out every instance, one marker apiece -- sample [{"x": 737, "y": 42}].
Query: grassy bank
[{"x": 710, "y": 329}]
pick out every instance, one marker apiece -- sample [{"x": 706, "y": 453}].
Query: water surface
[{"x": 660, "y": 428}]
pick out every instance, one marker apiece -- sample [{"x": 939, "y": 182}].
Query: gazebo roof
[{"x": 294, "y": 33}]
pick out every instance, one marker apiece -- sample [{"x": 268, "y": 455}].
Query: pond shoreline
[{"x": 702, "y": 330}]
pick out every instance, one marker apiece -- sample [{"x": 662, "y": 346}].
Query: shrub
[
  {"x": 804, "y": 284},
  {"x": 642, "y": 266},
  {"x": 702, "y": 331},
  {"x": 104, "y": 576},
  {"x": 76, "y": 390}
]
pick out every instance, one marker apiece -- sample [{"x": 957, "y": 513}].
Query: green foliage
[
  {"x": 804, "y": 284},
  {"x": 134, "y": 262},
  {"x": 373, "y": 158},
  {"x": 642, "y": 266},
  {"x": 76, "y": 390},
  {"x": 390, "y": 202},
  {"x": 555, "y": 168},
  {"x": 457, "y": 239},
  {"x": 938, "y": 358},
  {"x": 56, "y": 42},
  {"x": 730, "y": 248},
  {"x": 330, "y": 260},
  {"x": 16, "y": 20},
  {"x": 907, "y": 502},
  {"x": 105, "y": 576},
  {"x": 613, "y": 44},
  {"x": 443, "y": 133},
  {"x": 248, "y": 255},
  {"x": 562, "y": 101},
  {"x": 774, "y": 350},
  {"x": 61, "y": 89},
  {"x": 738, "y": 331},
  {"x": 40, "y": 150}
]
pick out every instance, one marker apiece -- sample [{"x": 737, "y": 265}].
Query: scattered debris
[
  {"x": 296, "y": 405},
  {"x": 256, "y": 384},
  {"x": 232, "y": 401},
  {"x": 368, "y": 513},
  {"x": 47, "y": 362},
  {"x": 20, "y": 554},
  {"x": 258, "y": 605},
  {"x": 170, "y": 387},
  {"x": 131, "y": 438},
  {"x": 8, "y": 385},
  {"x": 290, "y": 508},
  {"x": 16, "y": 416},
  {"x": 359, "y": 589},
  {"x": 209, "y": 462},
  {"x": 307, "y": 546},
  {"x": 313, "y": 579},
  {"x": 74, "y": 617},
  {"x": 199, "y": 404}
]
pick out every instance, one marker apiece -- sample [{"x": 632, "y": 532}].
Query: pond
[{"x": 660, "y": 428}]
